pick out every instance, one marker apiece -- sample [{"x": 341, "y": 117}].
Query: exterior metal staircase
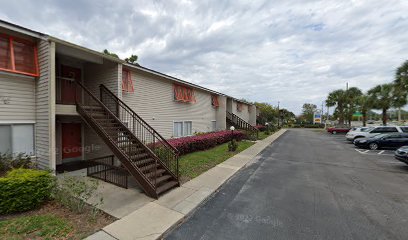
[
  {"x": 143, "y": 152},
  {"x": 239, "y": 123}
]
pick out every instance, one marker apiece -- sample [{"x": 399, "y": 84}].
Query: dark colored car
[
  {"x": 393, "y": 141},
  {"x": 335, "y": 130},
  {"x": 402, "y": 154}
]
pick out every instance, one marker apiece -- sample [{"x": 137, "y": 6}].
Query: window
[
  {"x": 183, "y": 94},
  {"x": 214, "y": 101},
  {"x": 213, "y": 126},
  {"x": 384, "y": 130},
  {"x": 18, "y": 138},
  {"x": 187, "y": 128},
  {"x": 127, "y": 84},
  {"x": 182, "y": 129},
  {"x": 404, "y": 129},
  {"x": 178, "y": 129},
  {"x": 18, "y": 56}
]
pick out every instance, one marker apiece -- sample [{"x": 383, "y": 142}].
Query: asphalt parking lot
[
  {"x": 307, "y": 185},
  {"x": 380, "y": 155}
]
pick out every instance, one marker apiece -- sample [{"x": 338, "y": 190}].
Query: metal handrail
[
  {"x": 152, "y": 184},
  {"x": 130, "y": 110},
  {"x": 147, "y": 134}
]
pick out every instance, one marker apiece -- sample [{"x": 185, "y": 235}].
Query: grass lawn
[
  {"x": 51, "y": 221},
  {"x": 263, "y": 135},
  {"x": 193, "y": 164}
]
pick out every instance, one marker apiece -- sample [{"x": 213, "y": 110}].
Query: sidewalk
[{"x": 153, "y": 219}]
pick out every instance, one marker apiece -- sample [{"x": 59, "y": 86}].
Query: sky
[{"x": 288, "y": 51}]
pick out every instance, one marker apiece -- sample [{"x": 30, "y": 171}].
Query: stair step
[
  {"x": 139, "y": 157},
  {"x": 94, "y": 108},
  {"x": 150, "y": 168},
  {"x": 158, "y": 172},
  {"x": 162, "y": 179},
  {"x": 144, "y": 162},
  {"x": 166, "y": 187}
]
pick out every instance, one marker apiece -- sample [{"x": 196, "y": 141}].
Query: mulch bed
[{"x": 82, "y": 223}]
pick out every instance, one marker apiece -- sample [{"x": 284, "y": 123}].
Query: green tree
[
  {"x": 267, "y": 113},
  {"x": 352, "y": 96},
  {"x": 338, "y": 98},
  {"x": 308, "y": 110},
  {"x": 364, "y": 106},
  {"x": 384, "y": 97},
  {"x": 110, "y": 53},
  {"x": 132, "y": 59}
]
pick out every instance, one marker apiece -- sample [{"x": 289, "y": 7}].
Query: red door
[
  {"x": 71, "y": 140},
  {"x": 69, "y": 74}
]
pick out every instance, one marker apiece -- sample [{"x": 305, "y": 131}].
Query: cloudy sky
[{"x": 292, "y": 51}]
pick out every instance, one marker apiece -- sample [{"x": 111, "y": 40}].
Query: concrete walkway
[{"x": 153, "y": 219}]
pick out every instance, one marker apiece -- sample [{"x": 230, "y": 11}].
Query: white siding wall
[
  {"x": 110, "y": 75},
  {"x": 43, "y": 110},
  {"x": 17, "y": 98},
  {"x": 252, "y": 115},
  {"x": 153, "y": 101}
]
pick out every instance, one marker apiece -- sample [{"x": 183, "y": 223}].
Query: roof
[{"x": 17, "y": 28}]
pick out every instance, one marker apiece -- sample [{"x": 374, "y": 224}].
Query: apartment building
[{"x": 63, "y": 103}]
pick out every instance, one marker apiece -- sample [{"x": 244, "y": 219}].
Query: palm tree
[
  {"x": 352, "y": 96},
  {"x": 384, "y": 97},
  {"x": 337, "y": 98},
  {"x": 401, "y": 82},
  {"x": 364, "y": 106}
]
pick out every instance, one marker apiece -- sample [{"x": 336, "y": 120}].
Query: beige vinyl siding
[
  {"x": 106, "y": 74},
  {"x": 17, "y": 98},
  {"x": 153, "y": 100},
  {"x": 252, "y": 115},
  {"x": 42, "y": 109},
  {"x": 222, "y": 113},
  {"x": 109, "y": 74}
]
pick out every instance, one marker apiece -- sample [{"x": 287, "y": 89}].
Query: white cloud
[{"x": 292, "y": 51}]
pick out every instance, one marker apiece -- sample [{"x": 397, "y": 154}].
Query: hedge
[
  {"x": 205, "y": 141},
  {"x": 24, "y": 189}
]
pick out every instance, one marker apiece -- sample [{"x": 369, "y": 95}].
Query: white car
[
  {"x": 355, "y": 131},
  {"x": 373, "y": 131}
]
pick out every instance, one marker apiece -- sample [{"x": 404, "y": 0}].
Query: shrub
[
  {"x": 8, "y": 161},
  {"x": 75, "y": 191},
  {"x": 260, "y": 127},
  {"x": 24, "y": 189},
  {"x": 205, "y": 141},
  {"x": 232, "y": 145}
]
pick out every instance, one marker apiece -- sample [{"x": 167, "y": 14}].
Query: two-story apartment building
[{"x": 61, "y": 103}]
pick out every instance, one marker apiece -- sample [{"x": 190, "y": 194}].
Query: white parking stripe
[
  {"x": 366, "y": 151},
  {"x": 381, "y": 152}
]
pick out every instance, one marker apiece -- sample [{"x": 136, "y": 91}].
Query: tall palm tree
[
  {"x": 401, "y": 82},
  {"x": 384, "y": 97},
  {"x": 352, "y": 96},
  {"x": 338, "y": 98},
  {"x": 364, "y": 106}
]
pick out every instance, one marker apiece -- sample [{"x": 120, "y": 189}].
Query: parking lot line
[
  {"x": 380, "y": 152},
  {"x": 366, "y": 151}
]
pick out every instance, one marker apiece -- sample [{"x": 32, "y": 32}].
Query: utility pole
[{"x": 278, "y": 114}]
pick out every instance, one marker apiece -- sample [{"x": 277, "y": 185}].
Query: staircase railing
[
  {"x": 89, "y": 106},
  {"x": 241, "y": 124},
  {"x": 167, "y": 154}
]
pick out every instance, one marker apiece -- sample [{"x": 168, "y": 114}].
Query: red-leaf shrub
[
  {"x": 205, "y": 141},
  {"x": 260, "y": 127}
]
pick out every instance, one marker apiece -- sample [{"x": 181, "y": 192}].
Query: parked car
[
  {"x": 401, "y": 154},
  {"x": 355, "y": 132},
  {"x": 335, "y": 130},
  {"x": 376, "y": 131},
  {"x": 392, "y": 140}
]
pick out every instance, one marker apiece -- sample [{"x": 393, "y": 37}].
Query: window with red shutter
[
  {"x": 214, "y": 101},
  {"x": 18, "y": 56},
  {"x": 183, "y": 94},
  {"x": 127, "y": 83},
  {"x": 239, "y": 107}
]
